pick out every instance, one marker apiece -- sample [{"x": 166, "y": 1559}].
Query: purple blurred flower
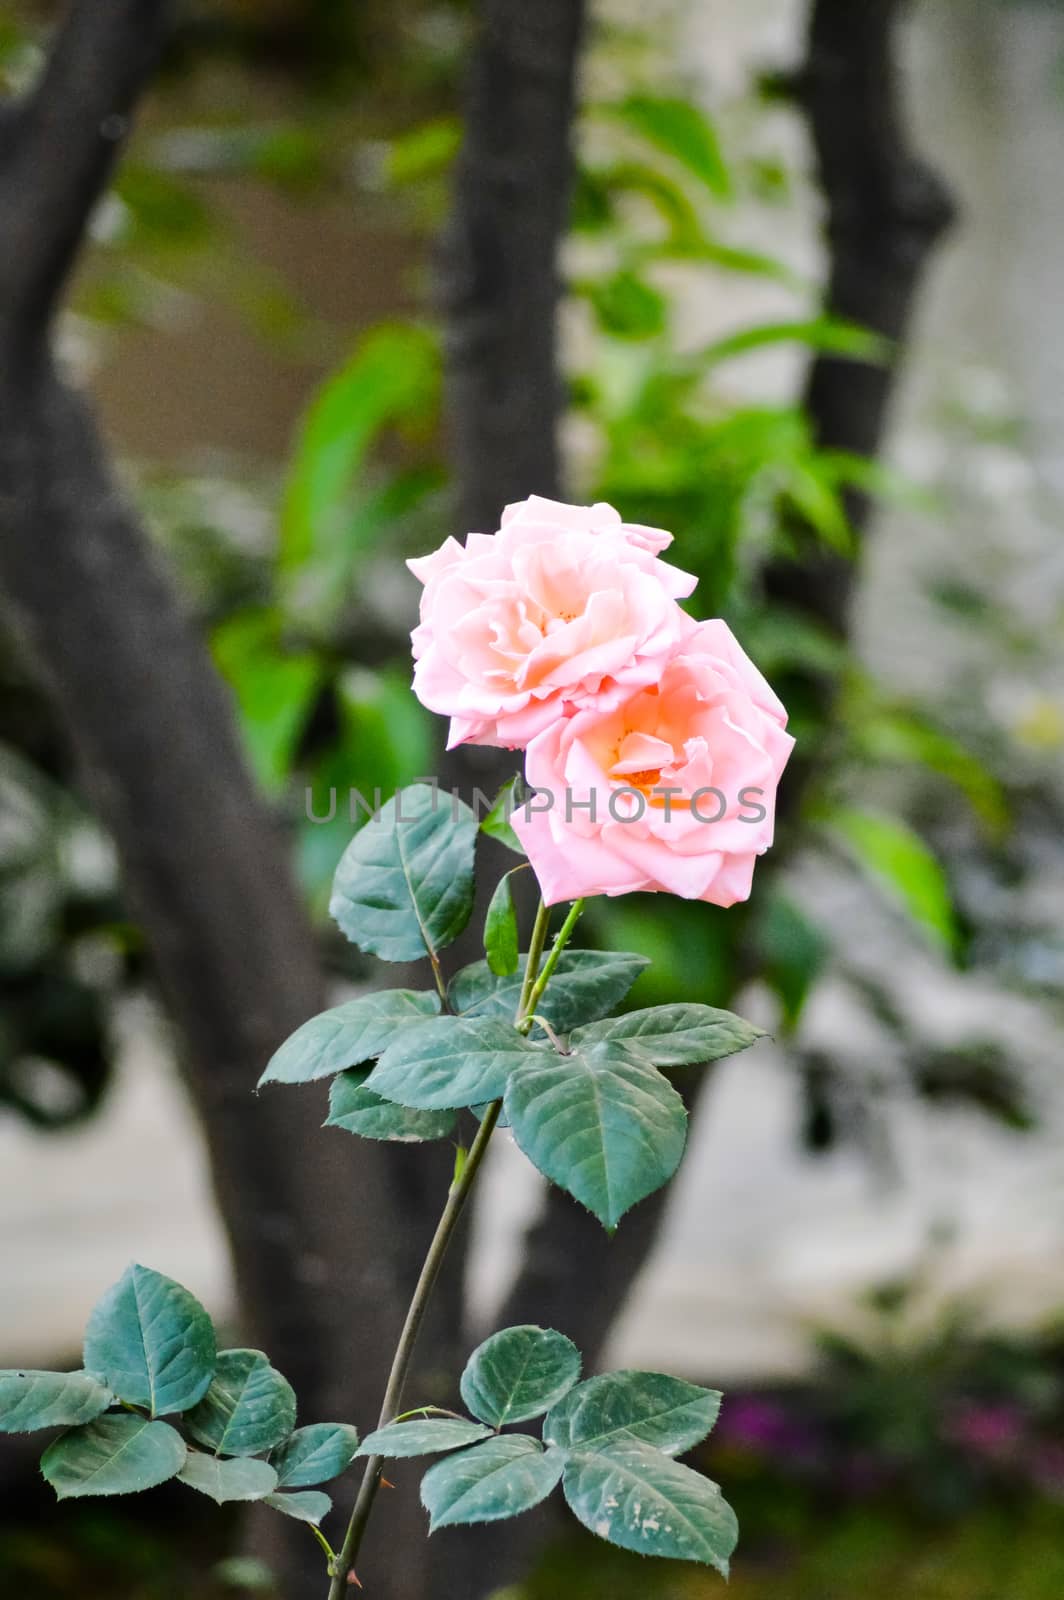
[
  {"x": 987, "y": 1429},
  {"x": 753, "y": 1422}
]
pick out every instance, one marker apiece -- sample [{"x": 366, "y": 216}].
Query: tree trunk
[
  {"x": 886, "y": 209},
  {"x": 500, "y": 259},
  {"x": 322, "y": 1229}
]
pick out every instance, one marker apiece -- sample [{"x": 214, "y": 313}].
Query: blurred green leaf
[
  {"x": 792, "y": 953},
  {"x": 384, "y": 741},
  {"x": 425, "y": 152},
  {"x": 814, "y": 497},
  {"x": 274, "y": 688},
  {"x": 626, "y": 305},
  {"x": 161, "y": 211},
  {"x": 897, "y": 736},
  {"x": 686, "y": 238},
  {"x": 830, "y": 334},
  {"x": 780, "y": 641},
  {"x": 293, "y": 155},
  {"x": 679, "y": 129},
  {"x": 899, "y": 859},
  {"x": 393, "y": 378}
]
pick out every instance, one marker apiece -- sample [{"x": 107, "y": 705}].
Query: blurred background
[{"x": 809, "y": 317}]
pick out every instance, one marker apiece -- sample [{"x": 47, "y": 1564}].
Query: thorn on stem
[
  {"x": 386, "y": 1484},
  {"x": 353, "y": 1579}
]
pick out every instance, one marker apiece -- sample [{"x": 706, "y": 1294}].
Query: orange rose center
[{"x": 643, "y": 780}]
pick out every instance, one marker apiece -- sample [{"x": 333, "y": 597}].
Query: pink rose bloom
[
  {"x": 564, "y": 606},
  {"x": 712, "y": 731}
]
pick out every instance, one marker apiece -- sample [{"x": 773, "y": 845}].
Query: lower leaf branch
[
  {"x": 532, "y": 989},
  {"x": 371, "y": 1478}
]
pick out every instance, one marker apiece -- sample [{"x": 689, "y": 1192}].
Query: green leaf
[
  {"x": 117, "y": 1454},
  {"x": 309, "y": 1505},
  {"x": 815, "y": 496},
  {"x": 451, "y": 1061},
  {"x": 519, "y": 1373},
  {"x": 249, "y": 1408},
  {"x": 680, "y": 130},
  {"x": 358, "y": 1110},
  {"x": 245, "y": 1575},
  {"x": 500, "y": 930},
  {"x": 602, "y": 1124},
  {"x": 349, "y": 1034},
  {"x": 31, "y": 1400},
  {"x": 228, "y": 1480},
  {"x": 834, "y": 335},
  {"x": 495, "y": 1480},
  {"x": 497, "y": 822},
  {"x": 896, "y": 736},
  {"x": 315, "y": 1454},
  {"x": 900, "y": 860},
  {"x": 393, "y": 375},
  {"x": 627, "y": 306},
  {"x": 423, "y": 1437},
  {"x": 586, "y": 985},
  {"x": 152, "y": 1342},
  {"x": 649, "y": 1407},
  {"x": 674, "y": 1036},
  {"x": 637, "y": 1498},
  {"x": 383, "y": 740},
  {"x": 792, "y": 953},
  {"x": 404, "y": 886},
  {"x": 275, "y": 689},
  {"x": 425, "y": 151}
]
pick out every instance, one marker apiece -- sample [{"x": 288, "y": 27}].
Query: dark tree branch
[
  {"x": 500, "y": 288},
  {"x": 322, "y": 1228},
  {"x": 307, "y": 1214},
  {"x": 62, "y": 142},
  {"x": 885, "y": 212},
  {"x": 500, "y": 271}
]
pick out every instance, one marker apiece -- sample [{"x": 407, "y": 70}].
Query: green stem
[
  {"x": 561, "y": 939},
  {"x": 330, "y": 1553},
  {"x": 533, "y": 986},
  {"x": 438, "y": 978},
  {"x": 535, "y": 956},
  {"x": 371, "y": 1478}
]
